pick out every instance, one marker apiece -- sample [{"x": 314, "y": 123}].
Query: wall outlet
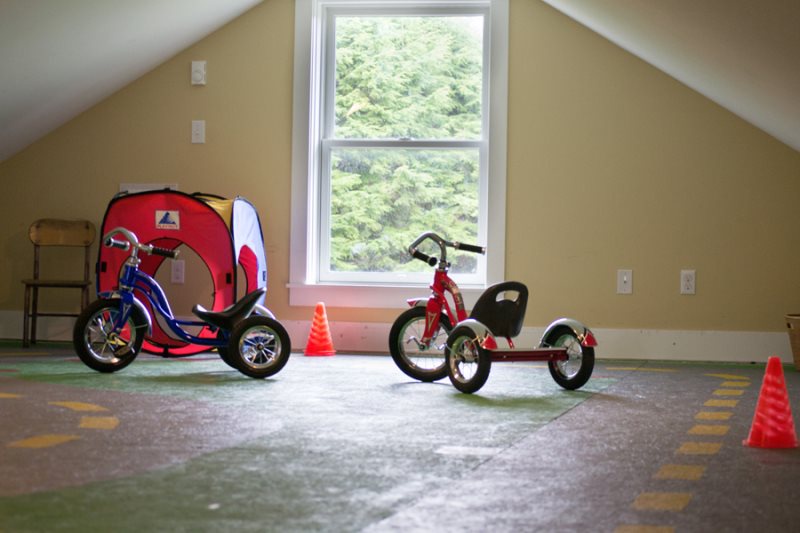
[
  {"x": 198, "y": 131},
  {"x": 624, "y": 281},
  {"x": 688, "y": 281}
]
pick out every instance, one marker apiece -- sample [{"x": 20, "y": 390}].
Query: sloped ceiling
[
  {"x": 60, "y": 57},
  {"x": 742, "y": 54}
]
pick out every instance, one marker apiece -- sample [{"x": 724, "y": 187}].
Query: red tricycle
[{"x": 433, "y": 339}]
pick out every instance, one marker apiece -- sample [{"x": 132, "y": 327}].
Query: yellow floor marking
[
  {"x": 699, "y": 448},
  {"x": 99, "y": 422},
  {"x": 79, "y": 406},
  {"x": 43, "y": 441},
  {"x": 632, "y": 369},
  {"x": 662, "y": 501},
  {"x": 728, "y": 376},
  {"x": 706, "y": 429},
  {"x": 721, "y": 403},
  {"x": 713, "y": 415},
  {"x": 735, "y": 384},
  {"x": 10, "y": 395},
  {"x": 685, "y": 472},
  {"x": 728, "y": 392},
  {"x": 644, "y": 529}
]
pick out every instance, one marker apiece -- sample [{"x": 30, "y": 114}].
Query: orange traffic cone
[
  {"x": 319, "y": 340},
  {"x": 773, "y": 426}
]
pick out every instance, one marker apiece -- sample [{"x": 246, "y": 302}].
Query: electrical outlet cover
[{"x": 688, "y": 282}]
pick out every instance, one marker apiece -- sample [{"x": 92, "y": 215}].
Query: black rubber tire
[
  {"x": 259, "y": 347},
  {"x": 101, "y": 349},
  {"x": 576, "y": 371},
  {"x": 413, "y": 321},
  {"x": 468, "y": 364}
]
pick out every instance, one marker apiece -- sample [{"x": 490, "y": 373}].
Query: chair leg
[
  {"x": 26, "y": 316},
  {"x": 34, "y": 314}
]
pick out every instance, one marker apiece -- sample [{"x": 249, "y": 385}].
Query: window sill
[{"x": 367, "y": 296}]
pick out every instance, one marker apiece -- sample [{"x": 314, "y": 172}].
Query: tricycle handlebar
[
  {"x": 133, "y": 241},
  {"x": 416, "y": 254},
  {"x": 443, "y": 244},
  {"x": 469, "y": 248},
  {"x": 114, "y": 243}
]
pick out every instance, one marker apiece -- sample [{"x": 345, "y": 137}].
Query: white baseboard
[{"x": 358, "y": 337}]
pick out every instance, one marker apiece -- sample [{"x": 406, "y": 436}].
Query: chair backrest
[
  {"x": 56, "y": 232},
  {"x": 501, "y": 308}
]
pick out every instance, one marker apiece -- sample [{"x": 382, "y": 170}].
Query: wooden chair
[{"x": 46, "y": 233}]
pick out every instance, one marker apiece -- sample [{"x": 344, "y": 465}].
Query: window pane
[
  {"x": 408, "y": 77},
  {"x": 381, "y": 200}
]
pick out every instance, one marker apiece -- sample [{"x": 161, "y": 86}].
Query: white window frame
[{"x": 309, "y": 77}]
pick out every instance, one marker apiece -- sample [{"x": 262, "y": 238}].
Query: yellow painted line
[
  {"x": 43, "y": 441},
  {"x": 99, "y": 422},
  {"x": 699, "y": 448},
  {"x": 707, "y": 429},
  {"x": 728, "y": 392},
  {"x": 685, "y": 472},
  {"x": 735, "y": 384},
  {"x": 728, "y": 376},
  {"x": 662, "y": 501},
  {"x": 633, "y": 369},
  {"x": 79, "y": 406},
  {"x": 10, "y": 395},
  {"x": 713, "y": 415},
  {"x": 634, "y": 528},
  {"x": 721, "y": 403}
]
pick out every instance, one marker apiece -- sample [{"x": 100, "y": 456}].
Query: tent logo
[{"x": 168, "y": 220}]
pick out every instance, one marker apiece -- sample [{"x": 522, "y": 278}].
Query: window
[{"x": 399, "y": 128}]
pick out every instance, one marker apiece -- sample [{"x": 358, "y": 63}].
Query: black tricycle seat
[
  {"x": 228, "y": 317},
  {"x": 501, "y": 308}
]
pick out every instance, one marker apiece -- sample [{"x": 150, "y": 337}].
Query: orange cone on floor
[
  {"x": 319, "y": 340},
  {"x": 773, "y": 426}
]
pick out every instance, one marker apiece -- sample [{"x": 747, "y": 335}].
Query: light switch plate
[{"x": 624, "y": 281}]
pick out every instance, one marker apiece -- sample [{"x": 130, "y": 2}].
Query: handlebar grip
[
  {"x": 470, "y": 248},
  {"x": 114, "y": 243},
  {"x": 164, "y": 252},
  {"x": 416, "y": 254}
]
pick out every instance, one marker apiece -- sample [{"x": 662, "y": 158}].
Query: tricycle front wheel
[
  {"x": 575, "y": 371},
  {"x": 468, "y": 363},
  {"x": 99, "y": 345},
  {"x": 416, "y": 360}
]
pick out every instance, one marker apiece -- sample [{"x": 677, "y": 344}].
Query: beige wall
[{"x": 611, "y": 164}]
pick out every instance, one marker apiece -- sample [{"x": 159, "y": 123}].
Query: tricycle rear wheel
[
  {"x": 577, "y": 369},
  {"x": 259, "y": 347},
  {"x": 468, "y": 363}
]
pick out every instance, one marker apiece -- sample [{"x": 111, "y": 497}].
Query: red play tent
[{"x": 225, "y": 234}]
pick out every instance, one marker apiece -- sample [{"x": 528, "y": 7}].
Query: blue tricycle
[{"x": 109, "y": 333}]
